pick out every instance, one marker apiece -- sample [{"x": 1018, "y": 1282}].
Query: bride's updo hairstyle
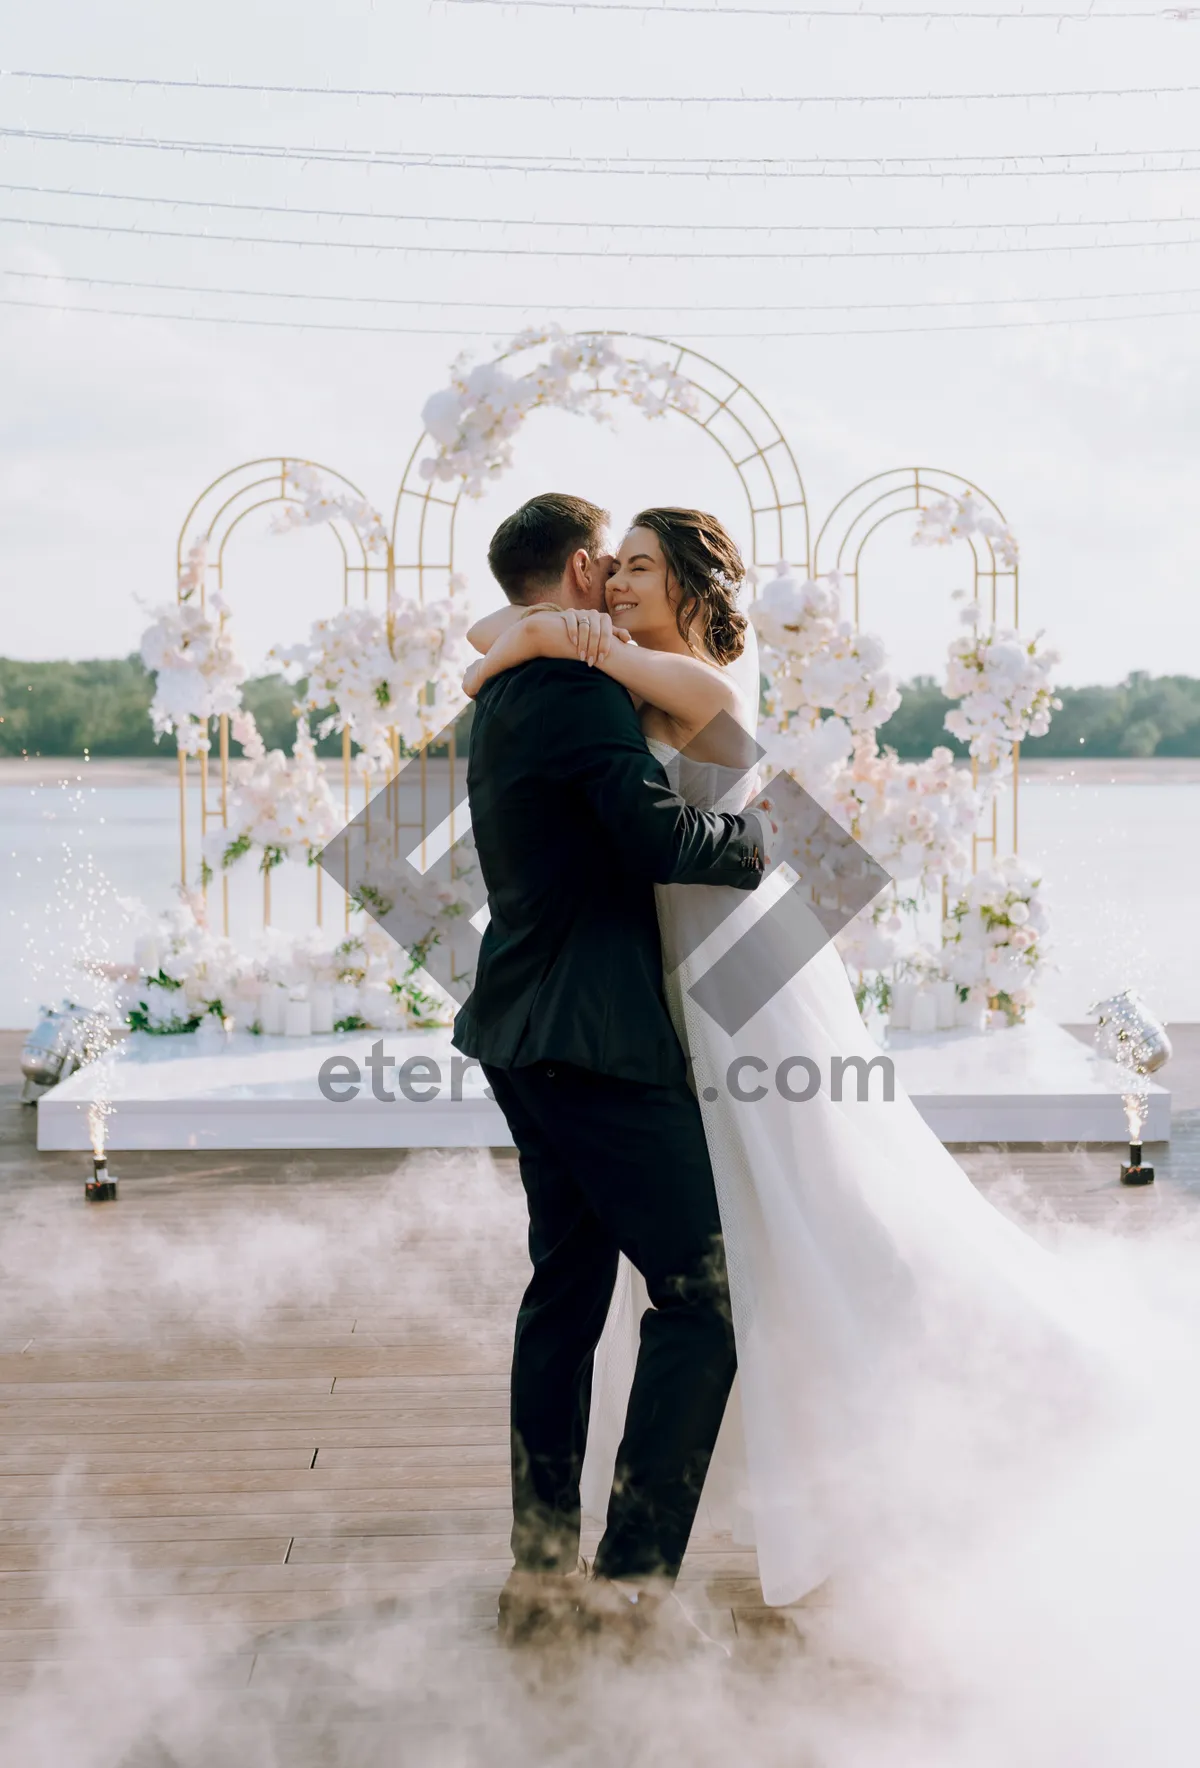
[{"x": 708, "y": 569}]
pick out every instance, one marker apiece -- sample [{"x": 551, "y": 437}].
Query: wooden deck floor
[{"x": 253, "y": 1462}]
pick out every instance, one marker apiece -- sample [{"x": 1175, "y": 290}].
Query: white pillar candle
[
  {"x": 900, "y": 1011},
  {"x": 297, "y": 1017},
  {"x": 272, "y": 1005},
  {"x": 345, "y": 999},
  {"x": 946, "y": 998},
  {"x": 320, "y": 1000},
  {"x": 924, "y": 1012},
  {"x": 971, "y": 1015},
  {"x": 147, "y": 954},
  {"x": 375, "y": 1002}
]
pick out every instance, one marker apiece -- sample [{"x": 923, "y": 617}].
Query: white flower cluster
[
  {"x": 814, "y": 754},
  {"x": 473, "y": 421},
  {"x": 915, "y": 817},
  {"x": 412, "y": 685},
  {"x": 185, "y": 972},
  {"x": 956, "y": 518},
  {"x": 198, "y": 673},
  {"x": 995, "y": 945},
  {"x": 315, "y": 503},
  {"x": 1002, "y": 682},
  {"x": 279, "y": 806},
  {"x": 874, "y": 938},
  {"x": 186, "y": 975},
  {"x": 816, "y": 662}
]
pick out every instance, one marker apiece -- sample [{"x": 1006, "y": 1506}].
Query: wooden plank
[
  {"x": 195, "y": 1608},
  {"x": 168, "y": 1480},
  {"x": 17, "y": 1556},
  {"x": 441, "y": 1439},
  {"x": 247, "y": 1393},
  {"x": 315, "y": 1549},
  {"x": 130, "y": 1645},
  {"x": 386, "y": 1577},
  {"x": 232, "y": 1670},
  {"x": 263, "y": 1363},
  {"x": 29, "y": 1463},
  {"x": 83, "y": 1506},
  {"x": 136, "y": 1404},
  {"x": 230, "y": 1525}
]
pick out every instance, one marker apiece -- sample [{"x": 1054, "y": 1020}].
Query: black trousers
[{"x": 613, "y": 1166}]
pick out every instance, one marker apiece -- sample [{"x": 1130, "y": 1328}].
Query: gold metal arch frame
[
  {"x": 214, "y": 518},
  {"x": 853, "y": 520},
  {"x": 426, "y": 512},
  {"x": 420, "y": 553}
]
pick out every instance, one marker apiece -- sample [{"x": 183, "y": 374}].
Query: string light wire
[
  {"x": 1158, "y": 15},
  {"x": 188, "y": 288},
  {"x": 576, "y": 99},
  {"x": 655, "y": 226},
  {"x": 627, "y": 254},
  {"x": 878, "y": 166},
  {"x": 460, "y": 332}
]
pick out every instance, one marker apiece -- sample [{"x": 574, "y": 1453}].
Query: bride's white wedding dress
[{"x": 896, "y": 1334}]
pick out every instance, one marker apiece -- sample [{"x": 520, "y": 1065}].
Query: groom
[{"x": 574, "y": 822}]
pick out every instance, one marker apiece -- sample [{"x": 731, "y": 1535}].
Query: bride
[{"x": 899, "y": 1340}]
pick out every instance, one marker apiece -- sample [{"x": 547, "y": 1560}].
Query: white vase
[
  {"x": 320, "y": 1000},
  {"x": 297, "y": 1017},
  {"x": 946, "y": 999},
  {"x": 272, "y": 1006},
  {"x": 924, "y": 1012},
  {"x": 900, "y": 1011}
]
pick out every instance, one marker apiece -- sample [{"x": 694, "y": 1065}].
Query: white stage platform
[{"x": 1029, "y": 1083}]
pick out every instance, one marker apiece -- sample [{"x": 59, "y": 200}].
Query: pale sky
[{"x": 1085, "y": 433}]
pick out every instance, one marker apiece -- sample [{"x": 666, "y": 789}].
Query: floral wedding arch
[
  {"x": 384, "y": 669},
  {"x": 471, "y": 426}
]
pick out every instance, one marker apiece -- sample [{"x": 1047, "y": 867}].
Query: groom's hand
[{"x": 761, "y": 828}]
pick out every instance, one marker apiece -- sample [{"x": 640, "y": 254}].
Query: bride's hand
[
  {"x": 470, "y": 681},
  {"x": 591, "y": 632}
]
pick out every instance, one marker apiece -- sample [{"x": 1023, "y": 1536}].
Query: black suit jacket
[{"x": 574, "y": 822}]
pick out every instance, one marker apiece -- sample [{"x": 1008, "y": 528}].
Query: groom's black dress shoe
[
  {"x": 538, "y": 1608},
  {"x": 639, "y": 1622}
]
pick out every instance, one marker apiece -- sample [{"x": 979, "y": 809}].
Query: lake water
[{"x": 1121, "y": 862}]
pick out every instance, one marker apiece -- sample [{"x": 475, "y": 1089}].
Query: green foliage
[
  {"x": 917, "y": 726},
  {"x": 1145, "y": 715},
  {"x": 65, "y": 708},
  {"x": 102, "y": 706}
]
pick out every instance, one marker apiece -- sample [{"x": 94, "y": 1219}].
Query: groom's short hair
[{"x": 530, "y": 548}]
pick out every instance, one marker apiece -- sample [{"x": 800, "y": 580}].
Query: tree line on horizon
[{"x": 102, "y": 707}]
